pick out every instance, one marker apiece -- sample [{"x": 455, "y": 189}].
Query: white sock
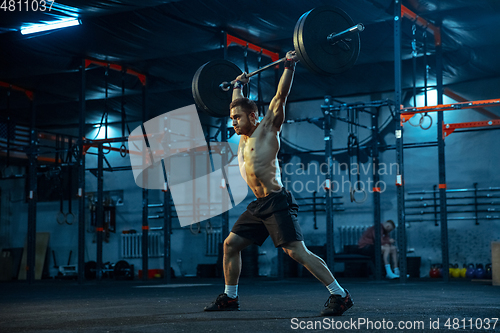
[
  {"x": 335, "y": 289},
  {"x": 231, "y": 291},
  {"x": 388, "y": 269},
  {"x": 396, "y": 271}
]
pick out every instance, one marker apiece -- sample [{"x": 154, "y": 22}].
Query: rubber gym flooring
[{"x": 267, "y": 305}]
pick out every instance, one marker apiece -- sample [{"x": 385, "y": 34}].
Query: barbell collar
[{"x": 337, "y": 37}]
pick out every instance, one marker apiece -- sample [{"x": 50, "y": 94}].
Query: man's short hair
[
  {"x": 392, "y": 222},
  {"x": 246, "y": 104}
]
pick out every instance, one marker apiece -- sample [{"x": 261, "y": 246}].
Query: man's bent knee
[
  {"x": 234, "y": 243},
  {"x": 296, "y": 251}
]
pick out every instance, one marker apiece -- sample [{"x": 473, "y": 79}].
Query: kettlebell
[
  {"x": 451, "y": 270},
  {"x": 470, "y": 271},
  {"x": 455, "y": 271},
  {"x": 488, "y": 271},
  {"x": 479, "y": 273},
  {"x": 463, "y": 270},
  {"x": 434, "y": 272}
]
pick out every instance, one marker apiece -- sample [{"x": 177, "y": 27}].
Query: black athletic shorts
[{"x": 274, "y": 215}]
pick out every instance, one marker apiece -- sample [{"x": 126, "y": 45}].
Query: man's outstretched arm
[{"x": 276, "y": 107}]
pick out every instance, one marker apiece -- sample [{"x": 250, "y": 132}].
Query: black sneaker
[
  {"x": 224, "y": 303},
  {"x": 336, "y": 305}
]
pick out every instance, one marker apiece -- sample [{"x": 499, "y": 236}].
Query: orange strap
[
  {"x": 442, "y": 186},
  {"x": 376, "y": 189},
  {"x": 145, "y": 227}
]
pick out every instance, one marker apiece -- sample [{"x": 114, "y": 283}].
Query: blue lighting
[{"x": 50, "y": 26}]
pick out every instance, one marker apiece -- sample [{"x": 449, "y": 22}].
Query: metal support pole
[
  {"x": 99, "y": 210},
  {"x": 442, "y": 166},
  {"x": 476, "y": 215},
  {"x": 399, "y": 143},
  {"x": 376, "y": 196},
  {"x": 145, "y": 200},
  {"x": 436, "y": 219},
  {"x": 279, "y": 254},
  {"x": 225, "y": 215},
  {"x": 330, "y": 246},
  {"x": 32, "y": 197},
  {"x": 224, "y": 137},
  {"x": 167, "y": 229},
  {"x": 81, "y": 179}
]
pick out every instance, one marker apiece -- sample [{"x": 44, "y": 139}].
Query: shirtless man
[{"x": 274, "y": 213}]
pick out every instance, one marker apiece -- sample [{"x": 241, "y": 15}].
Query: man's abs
[{"x": 260, "y": 164}]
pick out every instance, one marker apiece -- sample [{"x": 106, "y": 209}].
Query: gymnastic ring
[
  {"x": 419, "y": 122},
  {"x": 61, "y": 218},
  {"x": 209, "y": 228},
  {"x": 123, "y": 150},
  {"x": 430, "y": 125},
  {"x": 108, "y": 149},
  {"x": 71, "y": 220},
  {"x": 198, "y": 228},
  {"x": 353, "y": 197}
]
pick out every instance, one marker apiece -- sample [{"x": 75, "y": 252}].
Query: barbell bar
[
  {"x": 336, "y": 37},
  {"x": 227, "y": 85}
]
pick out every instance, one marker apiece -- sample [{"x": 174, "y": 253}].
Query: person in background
[{"x": 366, "y": 245}]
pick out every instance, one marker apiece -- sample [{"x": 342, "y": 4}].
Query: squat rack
[
  {"x": 32, "y": 152},
  {"x": 443, "y": 130},
  {"x": 84, "y": 144},
  {"x": 330, "y": 112}
]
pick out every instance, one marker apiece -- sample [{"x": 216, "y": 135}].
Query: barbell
[{"x": 325, "y": 39}]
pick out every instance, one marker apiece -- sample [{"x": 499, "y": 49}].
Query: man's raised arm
[{"x": 276, "y": 107}]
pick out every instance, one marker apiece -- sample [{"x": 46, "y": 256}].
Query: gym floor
[{"x": 267, "y": 305}]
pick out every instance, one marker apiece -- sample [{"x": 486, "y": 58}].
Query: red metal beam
[
  {"x": 231, "y": 39},
  {"x": 453, "y": 106},
  {"x": 116, "y": 67},
  {"x": 28, "y": 93},
  {"x": 450, "y": 128},
  {"x": 459, "y": 98},
  {"x": 24, "y": 156},
  {"x": 436, "y": 31}
]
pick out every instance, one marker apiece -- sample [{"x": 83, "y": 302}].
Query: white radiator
[
  {"x": 213, "y": 239},
  {"x": 132, "y": 245},
  {"x": 350, "y": 235}
]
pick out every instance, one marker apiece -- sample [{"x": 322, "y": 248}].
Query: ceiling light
[{"x": 50, "y": 26}]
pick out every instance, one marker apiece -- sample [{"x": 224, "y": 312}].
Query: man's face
[
  {"x": 242, "y": 122},
  {"x": 388, "y": 227}
]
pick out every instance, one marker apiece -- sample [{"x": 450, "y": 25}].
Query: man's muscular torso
[
  {"x": 259, "y": 142},
  {"x": 257, "y": 156}
]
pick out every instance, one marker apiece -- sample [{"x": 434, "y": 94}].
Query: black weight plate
[
  {"x": 205, "y": 87},
  {"x": 121, "y": 269},
  {"x": 312, "y": 46}
]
